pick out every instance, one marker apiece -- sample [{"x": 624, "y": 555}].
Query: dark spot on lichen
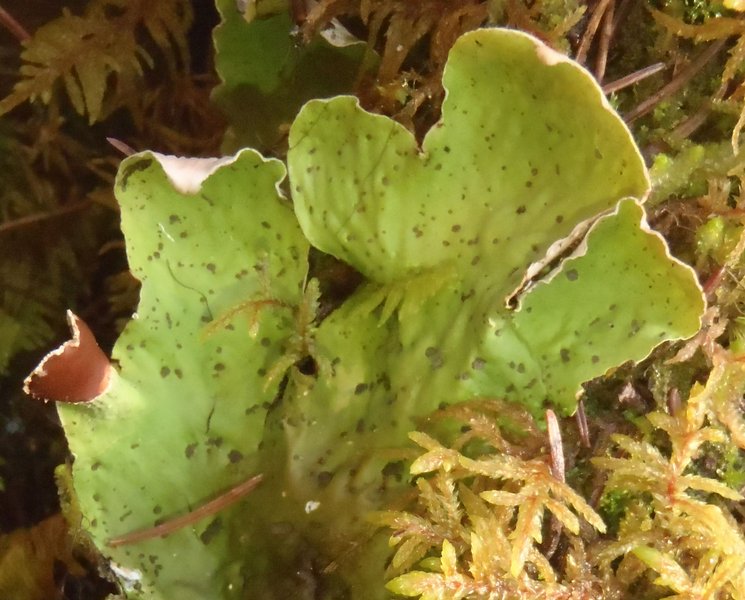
[
  {"x": 564, "y": 353},
  {"x": 478, "y": 364},
  {"x": 212, "y": 530},
  {"x": 95, "y": 466},
  {"x": 174, "y": 219},
  {"x": 211, "y": 267},
  {"x": 361, "y": 388},
  {"x": 235, "y": 456},
  {"x": 219, "y": 367},
  {"x": 266, "y": 225},
  {"x": 157, "y": 509},
  {"x": 435, "y": 357},
  {"x": 572, "y": 275},
  {"x": 266, "y": 342},
  {"x": 165, "y": 372},
  {"x": 190, "y": 449},
  {"x": 131, "y": 169},
  {"x": 635, "y": 327},
  {"x": 595, "y": 358},
  {"x": 521, "y": 209},
  {"x": 324, "y": 478}
]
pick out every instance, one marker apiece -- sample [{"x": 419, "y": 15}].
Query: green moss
[{"x": 613, "y": 506}]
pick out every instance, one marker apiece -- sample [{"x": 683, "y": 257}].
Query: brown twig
[
  {"x": 632, "y": 78},
  {"x": 673, "y": 402},
  {"x": 121, "y": 146},
  {"x": 581, "y": 417},
  {"x": 14, "y": 27},
  {"x": 606, "y": 34},
  {"x": 590, "y": 30},
  {"x": 38, "y": 217},
  {"x": 220, "y": 503},
  {"x": 555, "y": 446},
  {"x": 558, "y": 468},
  {"x": 677, "y": 83}
]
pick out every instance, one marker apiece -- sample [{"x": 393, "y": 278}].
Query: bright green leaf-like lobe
[
  {"x": 183, "y": 418},
  {"x": 593, "y": 314},
  {"x": 519, "y": 158},
  {"x": 527, "y": 149}
]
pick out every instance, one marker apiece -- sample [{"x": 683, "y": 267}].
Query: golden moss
[
  {"x": 479, "y": 525},
  {"x": 490, "y": 513}
]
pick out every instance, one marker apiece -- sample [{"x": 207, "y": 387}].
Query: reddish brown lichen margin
[{"x": 77, "y": 371}]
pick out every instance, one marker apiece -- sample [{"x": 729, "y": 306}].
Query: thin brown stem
[
  {"x": 632, "y": 78},
  {"x": 606, "y": 34},
  {"x": 558, "y": 469},
  {"x": 584, "y": 430},
  {"x": 38, "y": 217},
  {"x": 14, "y": 27},
  {"x": 590, "y": 30},
  {"x": 677, "y": 83},
  {"x": 222, "y": 502},
  {"x": 673, "y": 402},
  {"x": 121, "y": 146},
  {"x": 555, "y": 445}
]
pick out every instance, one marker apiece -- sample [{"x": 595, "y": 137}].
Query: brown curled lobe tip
[
  {"x": 215, "y": 505},
  {"x": 77, "y": 371}
]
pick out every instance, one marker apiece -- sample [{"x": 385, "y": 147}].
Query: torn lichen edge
[
  {"x": 552, "y": 58},
  {"x": 188, "y": 174}
]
